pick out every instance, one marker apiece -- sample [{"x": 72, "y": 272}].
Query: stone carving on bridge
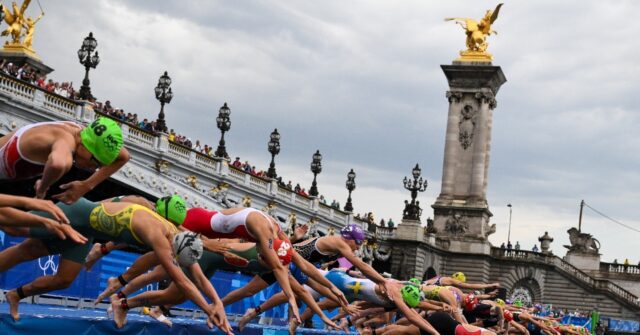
[
  {"x": 270, "y": 209},
  {"x": 331, "y": 231},
  {"x": 368, "y": 248},
  {"x": 192, "y": 180},
  {"x": 456, "y": 225},
  {"x": 9, "y": 124},
  {"x": 291, "y": 223},
  {"x": 371, "y": 251},
  {"x": 466, "y": 126},
  {"x": 162, "y": 166},
  {"x": 582, "y": 242},
  {"x": 246, "y": 201},
  {"x": 490, "y": 229},
  {"x": 220, "y": 194}
]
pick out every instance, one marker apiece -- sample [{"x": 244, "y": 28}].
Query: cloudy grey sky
[{"x": 361, "y": 82}]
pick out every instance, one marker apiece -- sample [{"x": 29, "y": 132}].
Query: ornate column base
[
  {"x": 463, "y": 228},
  {"x": 583, "y": 261},
  {"x": 410, "y": 230}
]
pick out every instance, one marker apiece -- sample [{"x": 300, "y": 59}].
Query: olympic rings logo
[{"x": 49, "y": 264}]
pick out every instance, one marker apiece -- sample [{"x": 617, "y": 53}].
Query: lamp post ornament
[
  {"x": 224, "y": 124},
  {"x": 477, "y": 33},
  {"x": 351, "y": 185},
  {"x": 274, "y": 149},
  {"x": 412, "y": 210},
  {"x": 89, "y": 61},
  {"x": 316, "y": 168},
  {"x": 164, "y": 95}
]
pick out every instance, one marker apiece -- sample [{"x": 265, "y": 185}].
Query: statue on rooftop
[
  {"x": 477, "y": 33},
  {"x": 582, "y": 242}
]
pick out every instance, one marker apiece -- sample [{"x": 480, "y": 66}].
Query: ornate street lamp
[
  {"x": 89, "y": 61},
  {"x": 164, "y": 95},
  {"x": 274, "y": 149},
  {"x": 224, "y": 124},
  {"x": 351, "y": 185},
  {"x": 412, "y": 209},
  {"x": 316, "y": 168}
]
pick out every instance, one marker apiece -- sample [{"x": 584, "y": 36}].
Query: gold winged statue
[
  {"x": 19, "y": 26},
  {"x": 477, "y": 33}
]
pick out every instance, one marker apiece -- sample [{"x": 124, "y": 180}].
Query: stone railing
[
  {"x": 385, "y": 232},
  {"x": 21, "y": 90},
  {"x": 17, "y": 88},
  {"x": 569, "y": 269},
  {"x": 620, "y": 268}
]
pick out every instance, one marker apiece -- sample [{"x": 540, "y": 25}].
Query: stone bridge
[{"x": 533, "y": 277}]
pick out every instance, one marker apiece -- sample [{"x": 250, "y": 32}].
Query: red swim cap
[
  {"x": 507, "y": 315},
  {"x": 283, "y": 250},
  {"x": 470, "y": 302}
]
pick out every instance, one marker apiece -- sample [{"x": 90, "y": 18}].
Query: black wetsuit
[
  {"x": 442, "y": 322},
  {"x": 308, "y": 251},
  {"x": 482, "y": 312}
]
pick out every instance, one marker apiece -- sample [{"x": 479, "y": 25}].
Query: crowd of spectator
[
  {"x": 35, "y": 77},
  {"x": 248, "y": 168}
]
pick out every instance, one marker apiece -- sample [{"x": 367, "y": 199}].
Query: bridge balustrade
[
  {"x": 568, "y": 268},
  {"x": 619, "y": 268}
]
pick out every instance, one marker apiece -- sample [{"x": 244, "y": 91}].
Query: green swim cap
[
  {"x": 103, "y": 139},
  {"x": 415, "y": 282},
  {"x": 518, "y": 303},
  {"x": 411, "y": 295},
  {"x": 172, "y": 208}
]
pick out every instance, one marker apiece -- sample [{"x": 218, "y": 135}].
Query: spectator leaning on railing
[{"x": 33, "y": 76}]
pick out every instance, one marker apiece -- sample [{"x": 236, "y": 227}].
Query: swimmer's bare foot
[
  {"x": 113, "y": 285},
  {"x": 343, "y": 325},
  {"x": 14, "y": 301},
  {"x": 94, "y": 255},
  {"x": 119, "y": 313},
  {"x": 293, "y": 325},
  {"x": 248, "y": 316},
  {"x": 157, "y": 314}
]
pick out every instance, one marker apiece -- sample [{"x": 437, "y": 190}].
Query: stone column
[
  {"x": 461, "y": 212},
  {"x": 450, "y": 146},
  {"x": 480, "y": 164}
]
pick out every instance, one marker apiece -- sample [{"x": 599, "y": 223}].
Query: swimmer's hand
[
  {"x": 44, "y": 206},
  {"x": 384, "y": 289},
  {"x": 72, "y": 191},
  {"x": 351, "y": 310},
  {"x": 224, "y": 250},
  {"x": 73, "y": 234},
  {"x": 300, "y": 232},
  {"x": 218, "y": 317},
  {"x": 214, "y": 245}
]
